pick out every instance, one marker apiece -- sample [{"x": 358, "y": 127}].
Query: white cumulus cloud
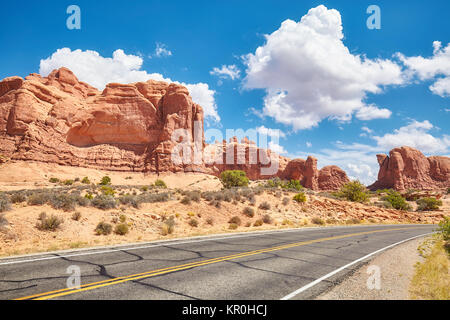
[
  {"x": 224, "y": 72},
  {"x": 275, "y": 147},
  {"x": 89, "y": 66},
  {"x": 437, "y": 67},
  {"x": 309, "y": 74},
  {"x": 162, "y": 51}
]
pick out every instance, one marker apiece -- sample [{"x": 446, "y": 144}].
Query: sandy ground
[
  {"x": 20, "y": 235},
  {"x": 396, "y": 269}
]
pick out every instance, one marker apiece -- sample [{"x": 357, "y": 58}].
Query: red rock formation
[
  {"x": 129, "y": 127},
  {"x": 407, "y": 168},
  {"x": 328, "y": 178}
]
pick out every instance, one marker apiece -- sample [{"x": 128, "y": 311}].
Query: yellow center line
[{"x": 148, "y": 274}]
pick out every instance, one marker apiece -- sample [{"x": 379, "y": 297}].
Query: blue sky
[{"x": 342, "y": 95}]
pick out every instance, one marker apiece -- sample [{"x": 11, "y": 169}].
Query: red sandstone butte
[
  {"x": 407, "y": 168},
  {"x": 128, "y": 127}
]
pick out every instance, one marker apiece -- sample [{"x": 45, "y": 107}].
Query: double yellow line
[{"x": 138, "y": 276}]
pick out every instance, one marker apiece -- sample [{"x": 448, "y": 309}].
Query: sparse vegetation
[
  {"x": 234, "y": 178},
  {"x": 317, "y": 220},
  {"x": 3, "y": 220},
  {"x": 235, "y": 220},
  {"x": 258, "y": 223},
  {"x": 86, "y": 180},
  {"x": 193, "y": 222},
  {"x": 394, "y": 199},
  {"x": 76, "y": 216},
  {"x": 444, "y": 228},
  {"x": 104, "y": 202},
  {"x": 286, "y": 201},
  {"x": 5, "y": 203},
  {"x": 108, "y": 191},
  {"x": 103, "y": 228},
  {"x": 53, "y": 180},
  {"x": 267, "y": 219},
  {"x": 68, "y": 182},
  {"x": 249, "y": 212},
  {"x": 18, "y": 198},
  {"x": 264, "y": 206},
  {"x": 210, "y": 221},
  {"x": 233, "y": 226},
  {"x": 160, "y": 184},
  {"x": 428, "y": 204},
  {"x": 106, "y": 180},
  {"x": 121, "y": 229},
  {"x": 300, "y": 197},
  {"x": 51, "y": 223},
  {"x": 353, "y": 191},
  {"x": 353, "y": 221}
]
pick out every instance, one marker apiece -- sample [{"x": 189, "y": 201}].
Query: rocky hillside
[
  {"x": 407, "y": 168},
  {"x": 128, "y": 127}
]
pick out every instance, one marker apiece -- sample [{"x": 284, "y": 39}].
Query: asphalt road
[{"x": 263, "y": 265}]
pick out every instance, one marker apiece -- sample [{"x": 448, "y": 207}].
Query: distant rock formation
[
  {"x": 407, "y": 168},
  {"x": 328, "y": 178},
  {"x": 129, "y": 127}
]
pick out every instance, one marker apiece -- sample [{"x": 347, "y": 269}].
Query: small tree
[
  {"x": 396, "y": 200},
  {"x": 429, "y": 203},
  {"x": 353, "y": 191},
  {"x": 234, "y": 178},
  {"x": 105, "y": 181}
]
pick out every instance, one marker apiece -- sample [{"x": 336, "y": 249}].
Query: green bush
[
  {"x": 234, "y": 178},
  {"x": 293, "y": 184},
  {"x": 233, "y": 226},
  {"x": 353, "y": 191},
  {"x": 53, "y": 180},
  {"x": 49, "y": 223},
  {"x": 428, "y": 203},
  {"x": 300, "y": 197},
  {"x": 105, "y": 181},
  {"x": 62, "y": 201},
  {"x": 249, "y": 212},
  {"x": 103, "y": 228},
  {"x": 444, "y": 228},
  {"x": 86, "y": 180},
  {"x": 104, "y": 202},
  {"x": 68, "y": 182},
  {"x": 396, "y": 200},
  {"x": 108, "y": 191},
  {"x": 5, "y": 203},
  {"x": 121, "y": 229},
  {"x": 160, "y": 184}
]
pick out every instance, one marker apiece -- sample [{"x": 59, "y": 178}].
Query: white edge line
[
  {"x": 317, "y": 281},
  {"x": 175, "y": 242}
]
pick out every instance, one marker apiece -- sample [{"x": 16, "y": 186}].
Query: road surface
[{"x": 281, "y": 264}]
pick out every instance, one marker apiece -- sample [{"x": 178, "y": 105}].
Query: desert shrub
[
  {"x": 193, "y": 195},
  {"x": 123, "y": 218},
  {"x": 234, "y": 178},
  {"x": 317, "y": 220},
  {"x": 353, "y": 221},
  {"x": 353, "y": 191},
  {"x": 53, "y": 180},
  {"x": 428, "y": 203},
  {"x": 160, "y": 184},
  {"x": 278, "y": 194},
  {"x": 249, "y": 212},
  {"x": 235, "y": 220},
  {"x": 193, "y": 223},
  {"x": 396, "y": 200},
  {"x": 210, "y": 221},
  {"x": 264, "y": 206},
  {"x": 68, "y": 182},
  {"x": 168, "y": 226},
  {"x": 103, "y": 228},
  {"x": 216, "y": 203},
  {"x": 129, "y": 200},
  {"x": 144, "y": 188},
  {"x": 186, "y": 200},
  {"x": 105, "y": 181},
  {"x": 292, "y": 185},
  {"x": 108, "y": 191},
  {"x": 233, "y": 226},
  {"x": 286, "y": 201},
  {"x": 258, "y": 223},
  {"x": 121, "y": 229},
  {"x": 104, "y": 202},
  {"x": 3, "y": 220},
  {"x": 300, "y": 197},
  {"x": 51, "y": 223},
  {"x": 89, "y": 196},
  {"x": 38, "y": 198},
  {"x": 86, "y": 180},
  {"x": 18, "y": 198},
  {"x": 267, "y": 219},
  {"x": 62, "y": 201},
  {"x": 5, "y": 203},
  {"x": 76, "y": 216},
  {"x": 153, "y": 197},
  {"x": 444, "y": 228},
  {"x": 332, "y": 221},
  {"x": 448, "y": 190}
]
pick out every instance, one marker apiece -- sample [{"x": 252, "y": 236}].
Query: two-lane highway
[{"x": 289, "y": 264}]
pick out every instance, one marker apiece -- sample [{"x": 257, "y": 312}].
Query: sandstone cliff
[
  {"x": 129, "y": 127},
  {"x": 407, "y": 168}
]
